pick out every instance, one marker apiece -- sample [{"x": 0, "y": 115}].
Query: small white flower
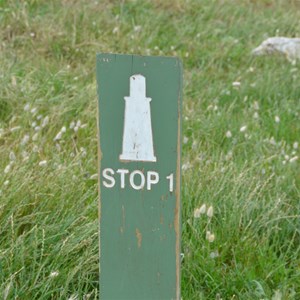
[
  {"x": 37, "y": 128},
  {"x": 54, "y": 274},
  {"x": 243, "y": 128},
  {"x": 115, "y": 30},
  {"x": 76, "y": 128},
  {"x": 185, "y": 139},
  {"x": 15, "y": 128},
  {"x": 200, "y": 211},
  {"x": 214, "y": 254},
  {"x": 72, "y": 125},
  {"x": 277, "y": 295},
  {"x": 296, "y": 145},
  {"x": 277, "y": 119},
  {"x": 35, "y": 149},
  {"x": 293, "y": 159},
  {"x": 6, "y": 182},
  {"x": 256, "y": 105},
  {"x": 63, "y": 129},
  {"x": 83, "y": 152},
  {"x": 186, "y": 166},
  {"x": 197, "y": 213},
  {"x": 27, "y": 107},
  {"x": 33, "y": 110},
  {"x": 211, "y": 238},
  {"x": 210, "y": 212},
  {"x": 12, "y": 156},
  {"x": 137, "y": 28},
  {"x": 228, "y": 134},
  {"x": 272, "y": 141},
  {"x": 236, "y": 84},
  {"x": 25, "y": 139},
  {"x": 45, "y": 122},
  {"x": 58, "y": 136},
  {"x": 42, "y": 163},
  {"x": 35, "y": 137},
  {"x": 7, "y": 169},
  {"x": 33, "y": 124},
  {"x": 255, "y": 115},
  {"x": 39, "y": 117}
]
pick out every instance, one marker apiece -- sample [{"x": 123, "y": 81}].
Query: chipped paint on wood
[{"x": 139, "y": 237}]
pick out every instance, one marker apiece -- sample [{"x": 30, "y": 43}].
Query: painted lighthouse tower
[{"x": 137, "y": 135}]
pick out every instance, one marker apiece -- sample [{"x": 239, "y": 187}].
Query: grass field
[{"x": 240, "y": 154}]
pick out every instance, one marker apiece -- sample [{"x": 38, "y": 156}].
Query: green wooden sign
[{"x": 139, "y": 170}]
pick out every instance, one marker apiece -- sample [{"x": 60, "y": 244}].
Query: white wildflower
[
  {"x": 186, "y": 166},
  {"x": 272, "y": 141},
  {"x": 33, "y": 110},
  {"x": 45, "y": 122},
  {"x": 228, "y": 134},
  {"x": 277, "y": 119},
  {"x": 236, "y": 84},
  {"x": 25, "y": 139},
  {"x": 27, "y": 107},
  {"x": 6, "y": 182},
  {"x": 54, "y": 274},
  {"x": 83, "y": 152},
  {"x": 243, "y": 128},
  {"x": 39, "y": 117},
  {"x": 214, "y": 254},
  {"x": 37, "y": 128},
  {"x": 210, "y": 212},
  {"x": 296, "y": 145},
  {"x": 15, "y": 128},
  {"x": 200, "y": 211},
  {"x": 76, "y": 128},
  {"x": 63, "y": 129},
  {"x": 42, "y": 163},
  {"x": 35, "y": 148},
  {"x": 58, "y": 136},
  {"x": 7, "y": 169},
  {"x": 35, "y": 137},
  {"x": 72, "y": 125},
  {"x": 185, "y": 139},
  {"x": 293, "y": 159},
  {"x": 255, "y": 115},
  {"x": 115, "y": 30},
  {"x": 256, "y": 105},
  {"x": 33, "y": 124},
  {"x": 277, "y": 295},
  {"x": 137, "y": 28},
  {"x": 210, "y": 236}
]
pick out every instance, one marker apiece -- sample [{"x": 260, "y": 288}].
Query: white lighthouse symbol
[{"x": 137, "y": 134}]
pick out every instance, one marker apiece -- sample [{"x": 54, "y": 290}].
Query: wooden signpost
[{"x": 139, "y": 170}]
